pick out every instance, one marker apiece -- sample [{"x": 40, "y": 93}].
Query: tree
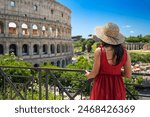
[
  {"x": 12, "y": 60},
  {"x": 89, "y": 47},
  {"x": 83, "y": 47},
  {"x": 76, "y": 79}
]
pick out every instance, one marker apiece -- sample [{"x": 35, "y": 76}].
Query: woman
[{"x": 111, "y": 63}]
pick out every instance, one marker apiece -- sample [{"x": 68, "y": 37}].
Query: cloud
[
  {"x": 127, "y": 26},
  {"x": 132, "y": 31}
]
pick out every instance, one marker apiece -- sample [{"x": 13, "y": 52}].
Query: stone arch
[
  {"x": 45, "y": 49},
  {"x": 25, "y": 49},
  {"x": 70, "y": 60},
  {"x": 24, "y": 29},
  {"x": 35, "y": 49},
  {"x": 63, "y": 48},
  {"x": 36, "y": 65},
  {"x": 35, "y": 8},
  {"x": 1, "y": 49},
  {"x": 58, "y": 63},
  {"x": 146, "y": 46},
  {"x": 53, "y": 31},
  {"x": 69, "y": 48},
  {"x": 50, "y": 31},
  {"x": 63, "y": 63},
  {"x": 52, "y": 49},
  {"x": 52, "y": 63},
  {"x": 44, "y": 31},
  {"x": 56, "y": 32},
  {"x": 58, "y": 48},
  {"x": 1, "y": 27},
  {"x": 66, "y": 48},
  {"x": 13, "y": 49},
  {"x": 63, "y": 32},
  {"x": 35, "y": 30},
  {"x": 12, "y": 28},
  {"x": 67, "y": 62}
]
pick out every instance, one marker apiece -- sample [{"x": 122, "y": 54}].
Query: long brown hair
[{"x": 118, "y": 51}]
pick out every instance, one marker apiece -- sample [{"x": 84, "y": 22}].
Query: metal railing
[{"x": 30, "y": 83}]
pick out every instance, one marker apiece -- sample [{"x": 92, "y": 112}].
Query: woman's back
[
  {"x": 108, "y": 84},
  {"x": 108, "y": 62}
]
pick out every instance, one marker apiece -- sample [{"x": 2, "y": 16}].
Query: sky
[{"x": 132, "y": 16}]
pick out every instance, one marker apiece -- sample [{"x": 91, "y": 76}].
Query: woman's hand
[{"x": 87, "y": 74}]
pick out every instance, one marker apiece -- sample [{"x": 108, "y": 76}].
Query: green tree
[
  {"x": 76, "y": 79},
  {"x": 12, "y": 60},
  {"x": 83, "y": 47}
]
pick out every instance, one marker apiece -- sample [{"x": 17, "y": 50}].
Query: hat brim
[{"x": 119, "y": 39}]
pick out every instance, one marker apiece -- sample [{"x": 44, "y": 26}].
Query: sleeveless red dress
[{"x": 108, "y": 84}]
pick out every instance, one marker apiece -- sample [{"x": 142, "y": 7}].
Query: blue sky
[{"x": 132, "y": 16}]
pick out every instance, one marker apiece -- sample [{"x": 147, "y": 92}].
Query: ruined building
[{"x": 39, "y": 31}]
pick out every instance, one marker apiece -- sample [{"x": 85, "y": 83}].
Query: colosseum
[{"x": 39, "y": 31}]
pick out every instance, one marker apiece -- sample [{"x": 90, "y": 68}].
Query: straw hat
[{"x": 109, "y": 33}]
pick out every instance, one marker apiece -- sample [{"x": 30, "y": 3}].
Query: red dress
[{"x": 108, "y": 84}]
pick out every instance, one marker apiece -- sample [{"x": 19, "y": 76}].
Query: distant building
[
  {"x": 146, "y": 46},
  {"x": 134, "y": 46},
  {"x": 39, "y": 31},
  {"x": 76, "y": 38}
]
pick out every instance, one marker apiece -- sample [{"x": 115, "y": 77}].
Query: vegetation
[
  {"x": 131, "y": 88},
  {"x": 140, "y": 57},
  {"x": 83, "y": 44},
  {"x": 139, "y": 38},
  {"x": 17, "y": 77},
  {"x": 11, "y": 60}
]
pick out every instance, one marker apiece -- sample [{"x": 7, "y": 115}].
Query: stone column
[
  {"x": 19, "y": 49},
  {"x": 30, "y": 30},
  {"x": 30, "y": 49},
  {"x": 19, "y": 28},
  {"x": 55, "y": 44},
  {"x": 6, "y": 28},
  {"x": 48, "y": 48},
  {"x": 6, "y": 48}
]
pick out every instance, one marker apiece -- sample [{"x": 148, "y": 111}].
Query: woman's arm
[
  {"x": 127, "y": 68},
  {"x": 96, "y": 65}
]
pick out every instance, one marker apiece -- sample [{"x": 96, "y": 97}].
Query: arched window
[
  {"x": 67, "y": 62},
  {"x": 35, "y": 30},
  {"x": 52, "y": 63},
  {"x": 13, "y": 49},
  {"x": 58, "y": 48},
  {"x": 56, "y": 35},
  {"x": 12, "y": 28},
  {"x": 35, "y": 7},
  {"x": 63, "y": 48},
  {"x": 45, "y": 49},
  {"x": 1, "y": 49},
  {"x": 52, "y": 48},
  {"x": 63, "y": 63},
  {"x": 35, "y": 49},
  {"x": 58, "y": 63},
  {"x": 66, "y": 48},
  {"x": 50, "y": 31},
  {"x": 24, "y": 29},
  {"x": 12, "y": 3},
  {"x": 25, "y": 50},
  {"x": 36, "y": 65},
  {"x": 1, "y": 27},
  {"x": 44, "y": 31}
]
